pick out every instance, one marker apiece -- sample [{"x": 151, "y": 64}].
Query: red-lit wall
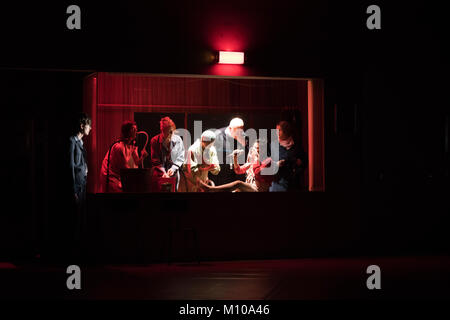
[{"x": 111, "y": 98}]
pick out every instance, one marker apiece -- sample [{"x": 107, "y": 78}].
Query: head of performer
[
  {"x": 167, "y": 127},
  {"x": 84, "y": 125},
  {"x": 284, "y": 131},
  {"x": 253, "y": 154},
  {"x": 129, "y": 131},
  {"x": 256, "y": 145},
  {"x": 236, "y": 130},
  {"x": 207, "y": 139}
]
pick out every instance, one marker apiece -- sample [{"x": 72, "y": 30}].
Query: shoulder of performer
[
  {"x": 176, "y": 138},
  {"x": 154, "y": 139}
]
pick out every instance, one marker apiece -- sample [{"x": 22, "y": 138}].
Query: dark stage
[
  {"x": 365, "y": 114},
  {"x": 419, "y": 277}
]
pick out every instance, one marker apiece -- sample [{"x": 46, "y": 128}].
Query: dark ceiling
[{"x": 281, "y": 38}]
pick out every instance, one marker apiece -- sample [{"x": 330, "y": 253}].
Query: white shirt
[{"x": 194, "y": 160}]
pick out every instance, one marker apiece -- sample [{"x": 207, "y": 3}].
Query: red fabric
[
  {"x": 112, "y": 98},
  {"x": 158, "y": 182},
  {"x": 257, "y": 167},
  {"x": 118, "y": 160}
]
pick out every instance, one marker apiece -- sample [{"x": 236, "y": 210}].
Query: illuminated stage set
[
  {"x": 150, "y": 202},
  {"x": 276, "y": 149}
]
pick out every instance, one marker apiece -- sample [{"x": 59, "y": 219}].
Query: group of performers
[{"x": 199, "y": 169}]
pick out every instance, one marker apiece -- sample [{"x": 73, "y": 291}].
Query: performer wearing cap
[
  {"x": 228, "y": 139},
  {"x": 201, "y": 159}
]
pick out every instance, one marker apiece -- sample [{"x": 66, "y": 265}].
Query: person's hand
[
  {"x": 166, "y": 175},
  {"x": 237, "y": 152},
  {"x": 208, "y": 167},
  {"x": 204, "y": 166},
  {"x": 144, "y": 153},
  {"x": 170, "y": 172},
  {"x": 280, "y": 163},
  {"x": 75, "y": 196}
]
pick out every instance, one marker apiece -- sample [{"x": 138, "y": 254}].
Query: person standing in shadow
[{"x": 78, "y": 180}]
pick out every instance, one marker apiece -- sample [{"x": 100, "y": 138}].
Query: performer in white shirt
[{"x": 201, "y": 159}]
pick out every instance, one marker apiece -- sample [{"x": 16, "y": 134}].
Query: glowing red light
[{"x": 230, "y": 57}]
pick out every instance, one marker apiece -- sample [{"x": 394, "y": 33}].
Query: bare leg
[{"x": 240, "y": 185}]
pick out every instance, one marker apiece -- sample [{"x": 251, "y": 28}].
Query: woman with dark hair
[
  {"x": 292, "y": 160},
  {"x": 122, "y": 154}
]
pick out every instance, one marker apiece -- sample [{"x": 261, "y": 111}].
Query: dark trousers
[{"x": 78, "y": 227}]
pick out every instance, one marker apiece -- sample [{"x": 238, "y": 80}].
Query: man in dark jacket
[
  {"x": 228, "y": 139},
  {"x": 77, "y": 159},
  {"x": 78, "y": 170}
]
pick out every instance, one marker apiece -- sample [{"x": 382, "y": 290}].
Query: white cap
[
  {"x": 208, "y": 135},
  {"x": 236, "y": 122}
]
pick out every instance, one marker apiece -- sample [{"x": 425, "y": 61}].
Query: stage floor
[{"x": 336, "y": 278}]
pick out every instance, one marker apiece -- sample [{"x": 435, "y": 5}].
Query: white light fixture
[{"x": 231, "y": 57}]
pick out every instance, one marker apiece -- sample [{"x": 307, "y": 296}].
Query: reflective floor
[{"x": 401, "y": 277}]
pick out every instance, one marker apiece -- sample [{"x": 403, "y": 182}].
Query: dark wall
[
  {"x": 385, "y": 94},
  {"x": 37, "y": 112}
]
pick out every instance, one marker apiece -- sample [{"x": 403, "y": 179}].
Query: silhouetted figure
[{"x": 78, "y": 179}]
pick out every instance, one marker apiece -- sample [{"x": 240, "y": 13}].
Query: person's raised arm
[{"x": 238, "y": 169}]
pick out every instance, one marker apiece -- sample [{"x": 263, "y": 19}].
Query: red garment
[
  {"x": 123, "y": 156},
  {"x": 156, "y": 145},
  {"x": 257, "y": 167}
]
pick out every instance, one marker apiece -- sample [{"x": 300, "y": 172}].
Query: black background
[{"x": 389, "y": 89}]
